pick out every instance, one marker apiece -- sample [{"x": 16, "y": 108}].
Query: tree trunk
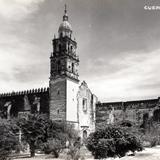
[
  {"x": 32, "y": 149},
  {"x": 32, "y": 153},
  {"x": 55, "y": 153}
]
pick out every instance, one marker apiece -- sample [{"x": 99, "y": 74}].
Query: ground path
[{"x": 147, "y": 154}]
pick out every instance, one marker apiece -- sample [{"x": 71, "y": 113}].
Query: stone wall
[
  {"x": 35, "y": 100},
  {"x": 131, "y": 111},
  {"x": 57, "y": 106}
]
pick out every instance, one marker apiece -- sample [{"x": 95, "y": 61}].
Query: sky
[{"x": 118, "y": 45}]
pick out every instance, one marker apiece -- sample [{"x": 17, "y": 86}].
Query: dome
[{"x": 65, "y": 26}]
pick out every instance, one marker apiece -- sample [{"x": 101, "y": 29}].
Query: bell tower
[{"x": 64, "y": 80}]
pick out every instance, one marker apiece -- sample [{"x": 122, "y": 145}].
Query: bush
[
  {"x": 74, "y": 149},
  {"x": 58, "y": 134},
  {"x": 8, "y": 140},
  {"x": 150, "y": 140},
  {"x": 73, "y": 153},
  {"x": 151, "y": 133},
  {"x": 53, "y": 146},
  {"x": 112, "y": 142}
]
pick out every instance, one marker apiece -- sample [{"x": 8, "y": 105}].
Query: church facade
[{"x": 66, "y": 99}]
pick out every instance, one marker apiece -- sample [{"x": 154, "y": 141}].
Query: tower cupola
[
  {"x": 64, "y": 60},
  {"x": 65, "y": 28}
]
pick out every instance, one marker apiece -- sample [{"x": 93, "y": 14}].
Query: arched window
[
  {"x": 84, "y": 135},
  {"x": 60, "y": 47},
  {"x": 156, "y": 115},
  {"x": 84, "y": 104},
  {"x": 145, "y": 116},
  {"x": 58, "y": 92},
  {"x": 72, "y": 67},
  {"x": 66, "y": 46},
  {"x": 61, "y": 34}
]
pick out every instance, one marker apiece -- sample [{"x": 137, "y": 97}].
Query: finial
[
  {"x": 65, "y": 17},
  {"x": 65, "y": 10}
]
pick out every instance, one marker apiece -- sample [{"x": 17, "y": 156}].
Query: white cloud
[
  {"x": 14, "y": 47},
  {"x": 128, "y": 84},
  {"x": 18, "y": 9},
  {"x": 114, "y": 76}
]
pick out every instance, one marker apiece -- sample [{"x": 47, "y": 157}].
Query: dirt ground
[{"x": 147, "y": 154}]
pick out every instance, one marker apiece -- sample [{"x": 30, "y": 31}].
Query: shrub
[
  {"x": 112, "y": 142},
  {"x": 73, "y": 153},
  {"x": 53, "y": 146},
  {"x": 74, "y": 149},
  {"x": 59, "y": 133},
  {"x": 8, "y": 140},
  {"x": 151, "y": 131},
  {"x": 150, "y": 140},
  {"x": 154, "y": 142}
]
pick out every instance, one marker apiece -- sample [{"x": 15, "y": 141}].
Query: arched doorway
[
  {"x": 84, "y": 135},
  {"x": 156, "y": 115}
]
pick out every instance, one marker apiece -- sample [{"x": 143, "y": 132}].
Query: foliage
[
  {"x": 74, "y": 149},
  {"x": 53, "y": 146},
  {"x": 151, "y": 133},
  {"x": 8, "y": 139},
  {"x": 73, "y": 153},
  {"x": 40, "y": 131},
  {"x": 34, "y": 129},
  {"x": 150, "y": 140},
  {"x": 125, "y": 123},
  {"x": 58, "y": 133},
  {"x": 65, "y": 131},
  {"x": 112, "y": 142}
]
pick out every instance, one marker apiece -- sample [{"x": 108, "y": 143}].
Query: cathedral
[{"x": 66, "y": 98}]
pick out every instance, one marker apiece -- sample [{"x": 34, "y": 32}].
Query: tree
[
  {"x": 41, "y": 132},
  {"x": 34, "y": 130},
  {"x": 58, "y": 132},
  {"x": 112, "y": 142},
  {"x": 8, "y": 138}
]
